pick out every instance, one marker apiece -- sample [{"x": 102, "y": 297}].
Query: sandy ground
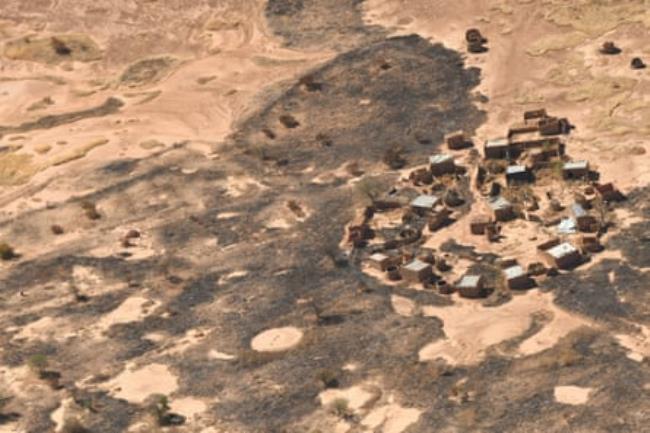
[
  {"x": 574, "y": 395},
  {"x": 471, "y": 329},
  {"x": 540, "y": 54},
  {"x": 277, "y": 339},
  {"x": 136, "y": 384}
]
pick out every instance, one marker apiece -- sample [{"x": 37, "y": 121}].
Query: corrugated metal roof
[
  {"x": 497, "y": 142},
  {"x": 425, "y": 201},
  {"x": 469, "y": 281},
  {"x": 567, "y": 226},
  {"x": 516, "y": 169},
  {"x": 576, "y": 165},
  {"x": 578, "y": 210},
  {"x": 562, "y": 250},
  {"x": 514, "y": 272},
  {"x": 440, "y": 158},
  {"x": 499, "y": 203},
  {"x": 416, "y": 265},
  {"x": 378, "y": 257}
]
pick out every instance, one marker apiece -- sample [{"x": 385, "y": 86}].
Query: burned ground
[{"x": 236, "y": 275}]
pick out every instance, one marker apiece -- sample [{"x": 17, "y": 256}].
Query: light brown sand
[
  {"x": 471, "y": 328},
  {"x": 573, "y": 395},
  {"x": 135, "y": 385},
  {"x": 391, "y": 418},
  {"x": 356, "y": 396},
  {"x": 277, "y": 339}
]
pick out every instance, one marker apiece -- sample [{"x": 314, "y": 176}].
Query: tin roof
[
  {"x": 425, "y": 201},
  {"x": 514, "y": 272},
  {"x": 578, "y": 210},
  {"x": 562, "y": 250},
  {"x": 440, "y": 158},
  {"x": 567, "y": 226},
  {"x": 378, "y": 257},
  {"x": 416, "y": 265},
  {"x": 499, "y": 203},
  {"x": 516, "y": 169},
  {"x": 497, "y": 142},
  {"x": 469, "y": 281},
  {"x": 576, "y": 165}
]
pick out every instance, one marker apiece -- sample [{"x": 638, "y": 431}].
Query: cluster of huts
[{"x": 530, "y": 146}]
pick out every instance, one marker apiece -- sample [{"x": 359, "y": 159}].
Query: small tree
[{"x": 6, "y": 251}]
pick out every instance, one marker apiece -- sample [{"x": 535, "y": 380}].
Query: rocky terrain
[{"x": 176, "y": 182}]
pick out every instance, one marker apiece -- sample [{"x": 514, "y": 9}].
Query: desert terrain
[{"x": 179, "y": 180}]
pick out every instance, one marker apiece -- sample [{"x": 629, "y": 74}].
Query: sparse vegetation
[
  {"x": 7, "y": 252},
  {"x": 394, "y": 157},
  {"x": 341, "y": 408},
  {"x": 159, "y": 406},
  {"x": 329, "y": 378},
  {"x": 38, "y": 362},
  {"x": 90, "y": 210}
]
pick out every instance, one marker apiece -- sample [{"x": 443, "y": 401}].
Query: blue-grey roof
[
  {"x": 567, "y": 226},
  {"x": 425, "y": 201},
  {"x": 416, "y": 265},
  {"x": 497, "y": 142},
  {"x": 469, "y": 281},
  {"x": 516, "y": 169},
  {"x": 499, "y": 203},
  {"x": 578, "y": 210},
  {"x": 514, "y": 272},
  {"x": 576, "y": 165},
  {"x": 440, "y": 158},
  {"x": 562, "y": 250}
]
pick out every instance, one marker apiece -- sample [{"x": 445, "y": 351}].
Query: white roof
[
  {"x": 499, "y": 203},
  {"x": 416, "y": 265},
  {"x": 497, "y": 142},
  {"x": 514, "y": 169},
  {"x": 440, "y": 158},
  {"x": 576, "y": 165},
  {"x": 514, "y": 272},
  {"x": 469, "y": 281},
  {"x": 425, "y": 201},
  {"x": 562, "y": 250},
  {"x": 378, "y": 257}
]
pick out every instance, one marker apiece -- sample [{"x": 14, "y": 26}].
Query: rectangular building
[
  {"x": 502, "y": 209},
  {"x": 496, "y": 148},
  {"x": 562, "y": 256},
  {"x": 442, "y": 164},
  {"x": 416, "y": 271},
  {"x": 471, "y": 286},
  {"x": 575, "y": 170},
  {"x": 516, "y": 278}
]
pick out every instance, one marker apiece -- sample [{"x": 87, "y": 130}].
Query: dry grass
[
  {"x": 16, "y": 169},
  {"x": 78, "y": 153}
]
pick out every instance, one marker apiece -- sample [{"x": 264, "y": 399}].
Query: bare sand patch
[
  {"x": 471, "y": 328},
  {"x": 638, "y": 345},
  {"x": 355, "y": 396},
  {"x": 403, "y": 306},
  {"x": 574, "y": 395},
  {"x": 220, "y": 356},
  {"x": 188, "y": 406},
  {"x": 135, "y": 385},
  {"x": 133, "y": 309},
  {"x": 391, "y": 418},
  {"x": 276, "y": 339}
]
